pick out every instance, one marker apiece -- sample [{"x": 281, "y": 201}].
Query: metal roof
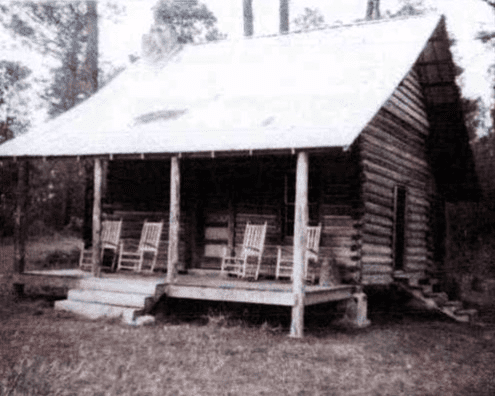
[{"x": 301, "y": 90}]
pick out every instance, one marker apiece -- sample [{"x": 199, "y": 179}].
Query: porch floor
[{"x": 202, "y": 285}]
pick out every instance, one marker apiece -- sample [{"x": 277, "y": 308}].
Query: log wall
[{"x": 393, "y": 152}]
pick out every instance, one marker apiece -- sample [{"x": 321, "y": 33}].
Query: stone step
[
  {"x": 427, "y": 288},
  {"x": 132, "y": 300},
  {"x": 455, "y": 304},
  {"x": 440, "y": 298},
  {"x": 140, "y": 286},
  {"x": 95, "y": 311},
  {"x": 470, "y": 312}
]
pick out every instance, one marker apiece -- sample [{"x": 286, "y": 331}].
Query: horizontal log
[
  {"x": 377, "y": 240},
  {"x": 339, "y": 231},
  {"x": 401, "y": 110},
  {"x": 417, "y": 226},
  {"x": 420, "y": 218},
  {"x": 373, "y": 199},
  {"x": 395, "y": 127},
  {"x": 412, "y": 94},
  {"x": 398, "y": 178},
  {"x": 379, "y": 210},
  {"x": 378, "y": 220},
  {"x": 336, "y": 241},
  {"x": 372, "y": 260},
  {"x": 376, "y": 269},
  {"x": 370, "y": 186},
  {"x": 338, "y": 221},
  {"x": 369, "y": 249},
  {"x": 416, "y": 266},
  {"x": 389, "y": 161},
  {"x": 396, "y": 147},
  {"x": 414, "y": 111},
  {"x": 416, "y": 242},
  {"x": 377, "y": 230},
  {"x": 416, "y": 251},
  {"x": 376, "y": 279}
]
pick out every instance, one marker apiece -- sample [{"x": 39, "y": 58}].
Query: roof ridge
[{"x": 359, "y": 22}]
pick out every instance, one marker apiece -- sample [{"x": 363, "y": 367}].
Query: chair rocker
[
  {"x": 110, "y": 238},
  {"x": 285, "y": 263},
  {"x": 247, "y": 264},
  {"x": 149, "y": 242}
]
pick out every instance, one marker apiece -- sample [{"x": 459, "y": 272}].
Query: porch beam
[
  {"x": 96, "y": 234},
  {"x": 300, "y": 223},
  {"x": 174, "y": 223}
]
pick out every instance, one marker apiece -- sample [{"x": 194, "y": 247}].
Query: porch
[
  {"x": 197, "y": 285},
  {"x": 209, "y": 202}
]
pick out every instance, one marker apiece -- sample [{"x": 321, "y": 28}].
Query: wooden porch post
[
  {"x": 97, "y": 217},
  {"x": 300, "y": 223},
  {"x": 20, "y": 226},
  {"x": 174, "y": 224}
]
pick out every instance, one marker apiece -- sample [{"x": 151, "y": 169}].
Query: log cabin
[{"x": 358, "y": 128}]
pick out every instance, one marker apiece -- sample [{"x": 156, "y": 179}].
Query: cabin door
[{"x": 399, "y": 241}]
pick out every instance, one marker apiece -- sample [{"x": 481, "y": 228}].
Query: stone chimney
[
  {"x": 284, "y": 16},
  {"x": 248, "y": 18}
]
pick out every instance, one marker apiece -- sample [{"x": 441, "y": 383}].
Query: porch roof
[{"x": 301, "y": 90}]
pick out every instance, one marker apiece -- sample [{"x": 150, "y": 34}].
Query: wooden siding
[{"x": 393, "y": 149}]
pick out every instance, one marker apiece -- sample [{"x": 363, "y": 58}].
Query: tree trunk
[
  {"x": 373, "y": 10},
  {"x": 92, "y": 46}
]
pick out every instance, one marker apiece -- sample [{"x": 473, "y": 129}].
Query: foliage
[
  {"x": 13, "y": 100},
  {"x": 191, "y": 20},
  {"x": 410, "y": 8},
  {"x": 311, "y": 18}
]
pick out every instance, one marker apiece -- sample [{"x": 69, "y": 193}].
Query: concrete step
[
  {"x": 439, "y": 298},
  {"x": 95, "y": 310},
  {"x": 472, "y": 313},
  {"x": 455, "y": 304},
  {"x": 122, "y": 285},
  {"x": 132, "y": 300}
]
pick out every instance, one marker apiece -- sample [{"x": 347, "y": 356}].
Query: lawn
[
  {"x": 45, "y": 352},
  {"x": 42, "y": 252}
]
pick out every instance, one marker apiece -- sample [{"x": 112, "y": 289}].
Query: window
[{"x": 399, "y": 226}]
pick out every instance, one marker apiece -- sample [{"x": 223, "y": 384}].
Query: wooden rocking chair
[
  {"x": 285, "y": 263},
  {"x": 149, "y": 242},
  {"x": 252, "y": 250},
  {"x": 110, "y": 238}
]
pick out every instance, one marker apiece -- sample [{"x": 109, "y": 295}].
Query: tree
[
  {"x": 310, "y": 19},
  {"x": 13, "y": 99},
  {"x": 410, "y": 8},
  {"x": 190, "y": 20},
  {"x": 373, "y": 10}
]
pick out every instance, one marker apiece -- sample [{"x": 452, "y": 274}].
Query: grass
[
  {"x": 46, "y": 352},
  {"x": 55, "y": 251}
]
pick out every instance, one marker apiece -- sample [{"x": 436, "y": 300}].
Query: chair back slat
[
  {"x": 254, "y": 240},
  {"x": 313, "y": 239},
  {"x": 150, "y": 236},
  {"x": 110, "y": 234}
]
